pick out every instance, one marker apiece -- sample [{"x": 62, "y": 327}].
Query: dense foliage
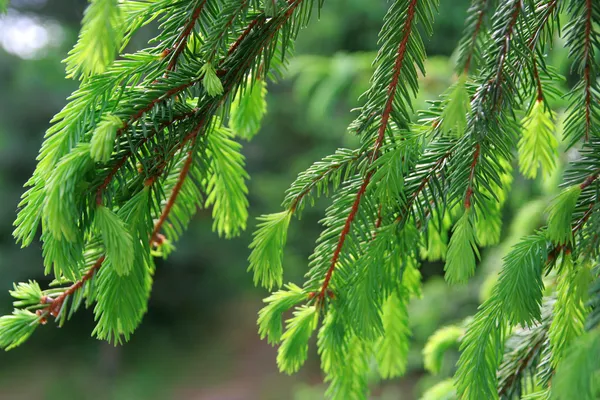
[{"x": 149, "y": 138}]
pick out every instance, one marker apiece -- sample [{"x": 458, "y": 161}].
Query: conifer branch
[
  {"x": 245, "y": 33},
  {"x": 503, "y": 53},
  {"x": 154, "y": 237},
  {"x": 183, "y": 38},
  {"x": 439, "y": 163},
  {"x": 321, "y": 177},
  {"x": 123, "y": 160},
  {"x": 479, "y": 7},
  {"x": 524, "y": 355},
  {"x": 55, "y": 304},
  {"x": 391, "y": 93},
  {"x": 242, "y": 5}
]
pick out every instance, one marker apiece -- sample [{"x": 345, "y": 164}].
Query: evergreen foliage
[{"x": 150, "y": 137}]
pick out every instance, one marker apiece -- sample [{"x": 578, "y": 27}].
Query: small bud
[
  {"x": 42, "y": 320},
  {"x": 165, "y": 53}
]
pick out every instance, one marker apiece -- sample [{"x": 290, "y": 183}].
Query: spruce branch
[
  {"x": 182, "y": 41},
  {"x": 154, "y": 237},
  {"x": 469, "y": 46},
  {"x": 383, "y": 126}
]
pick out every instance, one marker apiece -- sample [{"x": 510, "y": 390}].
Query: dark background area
[{"x": 199, "y": 340}]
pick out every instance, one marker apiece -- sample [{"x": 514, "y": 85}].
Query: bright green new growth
[
  {"x": 270, "y": 317},
  {"x": 99, "y": 40},
  {"x": 248, "y": 109},
  {"x": 226, "y": 189},
  {"x": 437, "y": 344},
  {"x": 392, "y": 348},
  {"x": 578, "y": 371},
  {"x": 462, "y": 251},
  {"x": 103, "y": 138},
  {"x": 454, "y": 117},
  {"x": 17, "y": 328},
  {"x": 210, "y": 80},
  {"x": 117, "y": 240},
  {"x": 560, "y": 215},
  {"x": 148, "y": 139},
  {"x": 569, "y": 310},
  {"x": 538, "y": 147},
  {"x": 267, "y": 249},
  {"x": 294, "y": 342}
]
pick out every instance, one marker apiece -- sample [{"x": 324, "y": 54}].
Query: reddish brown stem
[
  {"x": 385, "y": 116},
  {"x": 56, "y": 305},
  {"x": 589, "y": 180},
  {"x": 140, "y": 113},
  {"x": 473, "y": 41},
  {"x": 244, "y": 34},
  {"x": 345, "y": 231},
  {"x": 177, "y": 188},
  {"x": 469, "y": 194},
  {"x": 183, "y": 37}
]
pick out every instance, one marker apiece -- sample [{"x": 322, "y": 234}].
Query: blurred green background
[{"x": 199, "y": 340}]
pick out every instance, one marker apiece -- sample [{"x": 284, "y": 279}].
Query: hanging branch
[{"x": 385, "y": 116}]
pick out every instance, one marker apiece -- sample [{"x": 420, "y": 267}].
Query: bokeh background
[{"x": 199, "y": 340}]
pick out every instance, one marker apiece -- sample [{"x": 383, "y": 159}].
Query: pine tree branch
[
  {"x": 140, "y": 113},
  {"x": 473, "y": 41},
  {"x": 424, "y": 182},
  {"x": 183, "y": 38},
  {"x": 55, "y": 305},
  {"x": 391, "y": 92},
  {"x": 243, "y": 4},
  {"x": 246, "y": 32},
  {"x": 154, "y": 237},
  {"x": 502, "y": 55},
  {"x": 111, "y": 175},
  {"x": 323, "y": 175},
  {"x": 523, "y": 356}
]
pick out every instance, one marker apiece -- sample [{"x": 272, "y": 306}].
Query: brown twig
[
  {"x": 154, "y": 238},
  {"x": 474, "y": 40},
  {"x": 55, "y": 306},
  {"x": 183, "y": 38},
  {"x": 469, "y": 194},
  {"x": 385, "y": 116}
]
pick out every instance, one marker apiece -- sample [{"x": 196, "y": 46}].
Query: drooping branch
[{"x": 389, "y": 104}]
